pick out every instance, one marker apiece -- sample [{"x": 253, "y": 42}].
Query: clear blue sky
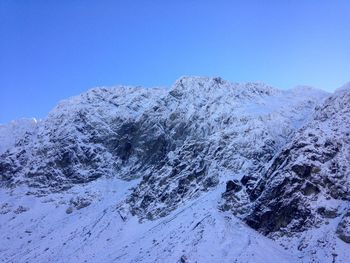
[{"x": 50, "y": 50}]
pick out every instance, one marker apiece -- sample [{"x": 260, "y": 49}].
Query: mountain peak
[
  {"x": 195, "y": 86},
  {"x": 344, "y": 88}
]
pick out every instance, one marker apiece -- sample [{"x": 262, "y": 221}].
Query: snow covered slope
[
  {"x": 152, "y": 175},
  {"x": 40, "y": 230},
  {"x": 13, "y": 131}
]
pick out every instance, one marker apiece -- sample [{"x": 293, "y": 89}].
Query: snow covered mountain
[{"x": 128, "y": 174}]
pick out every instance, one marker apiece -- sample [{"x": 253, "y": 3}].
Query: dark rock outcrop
[{"x": 311, "y": 171}]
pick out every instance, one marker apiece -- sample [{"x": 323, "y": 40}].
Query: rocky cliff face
[
  {"x": 211, "y": 130},
  {"x": 308, "y": 183},
  {"x": 81, "y": 140},
  {"x": 278, "y": 159},
  {"x": 304, "y": 190},
  {"x": 181, "y": 141}
]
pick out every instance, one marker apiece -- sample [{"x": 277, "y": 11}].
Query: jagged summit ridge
[{"x": 195, "y": 84}]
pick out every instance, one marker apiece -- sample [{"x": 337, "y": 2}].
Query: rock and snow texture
[
  {"x": 309, "y": 181},
  {"x": 154, "y": 175},
  {"x": 306, "y": 188},
  {"x": 186, "y": 135},
  {"x": 79, "y": 140},
  {"x": 13, "y": 131}
]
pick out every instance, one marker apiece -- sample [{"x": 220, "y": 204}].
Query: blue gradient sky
[{"x": 50, "y": 50}]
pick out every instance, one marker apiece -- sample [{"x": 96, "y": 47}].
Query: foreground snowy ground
[{"x": 38, "y": 229}]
